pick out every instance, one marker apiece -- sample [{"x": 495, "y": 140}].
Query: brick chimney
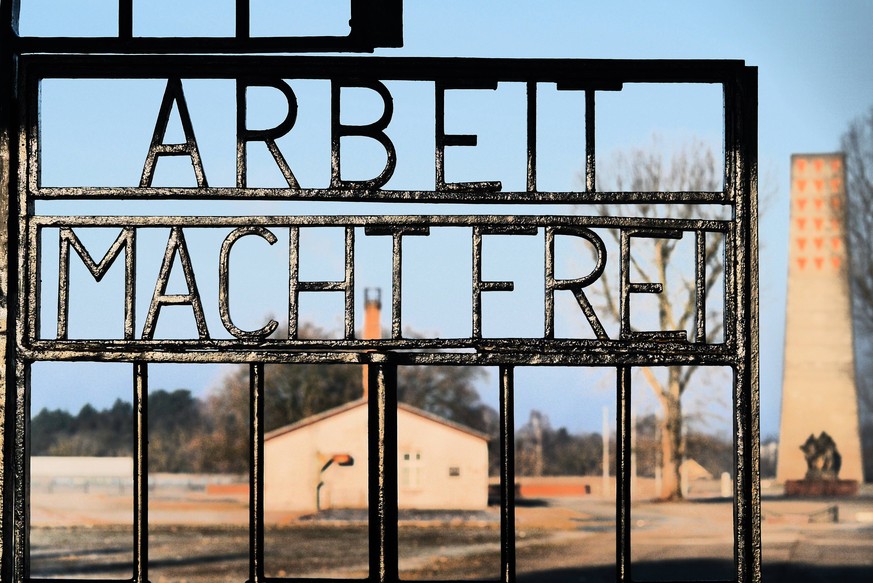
[{"x": 372, "y": 324}]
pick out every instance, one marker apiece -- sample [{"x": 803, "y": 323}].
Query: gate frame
[{"x": 740, "y": 187}]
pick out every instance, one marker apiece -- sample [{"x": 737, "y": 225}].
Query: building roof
[
  {"x": 695, "y": 470},
  {"x": 319, "y": 417}
]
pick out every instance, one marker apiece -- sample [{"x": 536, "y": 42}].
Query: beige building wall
[
  {"x": 440, "y": 466},
  {"x": 293, "y": 463},
  {"x": 818, "y": 388}
]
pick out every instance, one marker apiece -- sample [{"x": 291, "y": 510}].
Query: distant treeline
[
  {"x": 211, "y": 434},
  {"x": 178, "y": 423},
  {"x": 543, "y": 450},
  {"x": 187, "y": 434}
]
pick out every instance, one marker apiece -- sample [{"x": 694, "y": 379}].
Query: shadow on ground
[{"x": 702, "y": 570}]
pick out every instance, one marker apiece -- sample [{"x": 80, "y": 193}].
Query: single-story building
[{"x": 321, "y": 462}]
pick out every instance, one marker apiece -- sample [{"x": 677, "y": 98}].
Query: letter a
[
  {"x": 175, "y": 245},
  {"x": 173, "y": 94}
]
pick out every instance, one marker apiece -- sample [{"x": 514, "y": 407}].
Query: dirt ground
[{"x": 194, "y": 539}]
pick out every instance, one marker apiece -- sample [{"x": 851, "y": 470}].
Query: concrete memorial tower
[{"x": 818, "y": 390}]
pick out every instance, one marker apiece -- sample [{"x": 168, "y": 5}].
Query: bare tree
[
  {"x": 691, "y": 167},
  {"x": 857, "y": 144}
]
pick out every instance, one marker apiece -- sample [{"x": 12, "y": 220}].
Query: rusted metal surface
[{"x": 260, "y": 348}]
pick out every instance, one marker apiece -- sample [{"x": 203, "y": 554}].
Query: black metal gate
[{"x": 27, "y": 62}]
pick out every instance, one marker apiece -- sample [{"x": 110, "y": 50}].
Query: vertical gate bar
[
  {"x": 549, "y": 300},
  {"x": 293, "y": 280},
  {"x": 256, "y": 473},
  {"x": 624, "y": 285},
  {"x": 20, "y": 473},
  {"x": 30, "y": 126},
  {"x": 243, "y": 19},
  {"x": 26, "y": 152},
  {"x": 507, "y": 474},
  {"x": 752, "y": 356},
  {"x": 129, "y": 286},
  {"x": 382, "y": 448},
  {"x": 729, "y": 99},
  {"x": 747, "y": 490},
  {"x": 63, "y": 288},
  {"x": 125, "y": 19},
  {"x": 476, "y": 331},
  {"x": 396, "y": 267},
  {"x": 590, "y": 177},
  {"x": 349, "y": 284},
  {"x": 700, "y": 286},
  {"x": 730, "y": 282},
  {"x": 30, "y": 313},
  {"x": 439, "y": 154},
  {"x": 623, "y": 475},
  {"x": 20, "y": 283},
  {"x": 732, "y": 311},
  {"x": 730, "y": 185},
  {"x": 241, "y": 144},
  {"x": 531, "y": 136},
  {"x": 12, "y": 501},
  {"x": 140, "y": 472}
]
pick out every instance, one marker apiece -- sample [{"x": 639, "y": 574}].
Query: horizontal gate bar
[
  {"x": 386, "y": 223},
  {"x": 572, "y": 353},
  {"x": 603, "y": 74}
]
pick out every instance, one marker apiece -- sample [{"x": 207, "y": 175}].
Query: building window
[
  {"x": 410, "y": 470},
  {"x": 454, "y": 472}
]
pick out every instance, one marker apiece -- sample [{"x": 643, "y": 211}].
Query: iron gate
[{"x": 28, "y": 62}]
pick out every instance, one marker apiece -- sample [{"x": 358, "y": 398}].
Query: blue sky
[{"x": 814, "y": 69}]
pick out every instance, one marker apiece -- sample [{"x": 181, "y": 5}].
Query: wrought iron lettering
[
  {"x": 471, "y": 229},
  {"x": 125, "y": 242},
  {"x": 173, "y": 95},
  {"x": 576, "y": 285},
  {"x": 374, "y": 130},
  {"x": 176, "y": 247},
  {"x": 629, "y": 287},
  {"x": 224, "y": 283},
  {"x": 244, "y": 135}
]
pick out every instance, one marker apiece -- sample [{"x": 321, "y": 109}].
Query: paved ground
[
  {"x": 691, "y": 541},
  {"x": 195, "y": 539}
]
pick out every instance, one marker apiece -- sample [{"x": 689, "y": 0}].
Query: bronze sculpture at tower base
[{"x": 823, "y": 462}]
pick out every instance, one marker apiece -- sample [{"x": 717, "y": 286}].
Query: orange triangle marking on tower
[
  {"x": 801, "y": 185},
  {"x": 801, "y": 202},
  {"x": 801, "y": 224},
  {"x": 819, "y": 184},
  {"x": 819, "y": 202},
  {"x": 835, "y": 242},
  {"x": 818, "y": 163},
  {"x": 835, "y": 184},
  {"x": 801, "y": 261},
  {"x": 818, "y": 223},
  {"x": 801, "y": 165},
  {"x": 835, "y": 165},
  {"x": 835, "y": 224},
  {"x": 818, "y": 242},
  {"x": 819, "y": 261},
  {"x": 835, "y": 201},
  {"x": 801, "y": 242},
  {"x": 836, "y": 262}
]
